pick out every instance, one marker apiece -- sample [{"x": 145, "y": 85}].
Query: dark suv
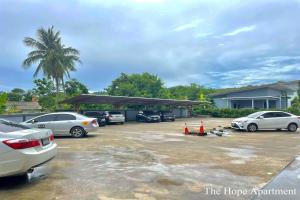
[
  {"x": 96, "y": 114},
  {"x": 147, "y": 116},
  {"x": 166, "y": 116}
]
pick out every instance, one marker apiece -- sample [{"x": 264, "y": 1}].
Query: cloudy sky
[{"x": 217, "y": 43}]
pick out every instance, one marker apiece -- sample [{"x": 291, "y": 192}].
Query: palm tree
[{"x": 54, "y": 59}]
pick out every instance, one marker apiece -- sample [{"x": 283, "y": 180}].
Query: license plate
[{"x": 45, "y": 141}]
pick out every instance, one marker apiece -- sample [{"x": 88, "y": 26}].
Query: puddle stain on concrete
[
  {"x": 241, "y": 155},
  {"x": 122, "y": 170}
]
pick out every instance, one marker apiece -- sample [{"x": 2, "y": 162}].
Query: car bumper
[
  {"x": 238, "y": 126},
  {"x": 117, "y": 120},
  {"x": 168, "y": 118},
  {"x": 17, "y": 162},
  {"x": 153, "y": 120},
  {"x": 90, "y": 129}
]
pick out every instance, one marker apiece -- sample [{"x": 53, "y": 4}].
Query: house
[
  {"x": 24, "y": 107},
  {"x": 271, "y": 96}
]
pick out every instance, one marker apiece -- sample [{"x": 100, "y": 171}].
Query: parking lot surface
[{"x": 156, "y": 161}]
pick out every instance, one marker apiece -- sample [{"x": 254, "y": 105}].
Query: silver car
[
  {"x": 267, "y": 120},
  {"x": 64, "y": 123},
  {"x": 114, "y": 117},
  {"x": 22, "y": 149}
]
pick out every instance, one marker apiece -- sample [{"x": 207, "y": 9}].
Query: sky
[{"x": 215, "y": 43}]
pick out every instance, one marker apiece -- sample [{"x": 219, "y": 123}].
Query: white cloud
[
  {"x": 240, "y": 30},
  {"x": 256, "y": 75},
  {"x": 190, "y": 25}
]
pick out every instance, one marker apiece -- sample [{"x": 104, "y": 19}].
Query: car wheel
[
  {"x": 292, "y": 127},
  {"x": 252, "y": 128},
  {"x": 77, "y": 132}
]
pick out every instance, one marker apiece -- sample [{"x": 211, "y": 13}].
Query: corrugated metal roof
[
  {"x": 291, "y": 85},
  {"x": 124, "y": 100}
]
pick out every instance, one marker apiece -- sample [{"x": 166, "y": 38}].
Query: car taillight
[
  {"x": 95, "y": 122},
  {"x": 22, "y": 144},
  {"x": 51, "y": 138}
]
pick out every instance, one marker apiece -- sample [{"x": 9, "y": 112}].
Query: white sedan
[
  {"x": 22, "y": 149},
  {"x": 64, "y": 123},
  {"x": 267, "y": 120}
]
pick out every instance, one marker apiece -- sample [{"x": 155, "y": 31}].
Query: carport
[{"x": 119, "y": 101}]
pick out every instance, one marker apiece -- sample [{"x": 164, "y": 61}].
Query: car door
[
  {"x": 42, "y": 121},
  {"x": 267, "y": 122},
  {"x": 282, "y": 119},
  {"x": 63, "y": 123}
]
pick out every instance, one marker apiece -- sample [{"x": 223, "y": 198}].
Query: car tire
[
  {"x": 252, "y": 127},
  {"x": 77, "y": 132},
  {"x": 292, "y": 127}
]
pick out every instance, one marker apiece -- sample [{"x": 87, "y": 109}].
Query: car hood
[
  {"x": 241, "y": 119},
  {"x": 153, "y": 116}
]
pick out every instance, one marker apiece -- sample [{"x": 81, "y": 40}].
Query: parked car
[
  {"x": 267, "y": 120},
  {"x": 22, "y": 149},
  {"x": 166, "y": 116},
  {"x": 96, "y": 114},
  {"x": 64, "y": 123},
  {"x": 114, "y": 117},
  {"x": 147, "y": 116}
]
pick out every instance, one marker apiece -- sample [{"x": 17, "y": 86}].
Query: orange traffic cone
[
  {"x": 186, "y": 130},
  {"x": 201, "y": 132}
]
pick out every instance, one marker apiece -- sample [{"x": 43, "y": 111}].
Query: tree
[
  {"x": 191, "y": 92},
  {"x": 143, "y": 85},
  {"x": 43, "y": 87},
  {"x": 74, "y": 87},
  {"x": 16, "y": 94},
  {"x": 3, "y": 100},
  {"x": 54, "y": 59}
]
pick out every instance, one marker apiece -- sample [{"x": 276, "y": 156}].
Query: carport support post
[
  {"x": 77, "y": 108},
  {"x": 190, "y": 110}
]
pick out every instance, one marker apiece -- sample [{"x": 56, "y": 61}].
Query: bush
[
  {"x": 235, "y": 113},
  {"x": 224, "y": 112},
  {"x": 295, "y": 109}
]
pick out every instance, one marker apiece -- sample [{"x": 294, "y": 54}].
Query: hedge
[{"x": 234, "y": 113}]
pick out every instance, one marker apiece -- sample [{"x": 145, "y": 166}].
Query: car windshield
[
  {"x": 149, "y": 113},
  {"x": 255, "y": 115},
  {"x": 7, "y": 126},
  {"x": 115, "y": 113}
]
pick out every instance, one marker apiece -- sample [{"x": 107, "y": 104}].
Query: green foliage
[
  {"x": 294, "y": 109},
  {"x": 223, "y": 112},
  {"x": 191, "y": 92},
  {"x": 235, "y": 113},
  {"x": 16, "y": 95},
  {"x": 74, "y": 87},
  {"x": 44, "y": 87},
  {"x": 3, "y": 100},
  {"x": 140, "y": 85},
  {"x": 54, "y": 59}
]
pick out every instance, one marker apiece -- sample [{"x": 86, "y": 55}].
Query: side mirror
[{"x": 260, "y": 117}]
